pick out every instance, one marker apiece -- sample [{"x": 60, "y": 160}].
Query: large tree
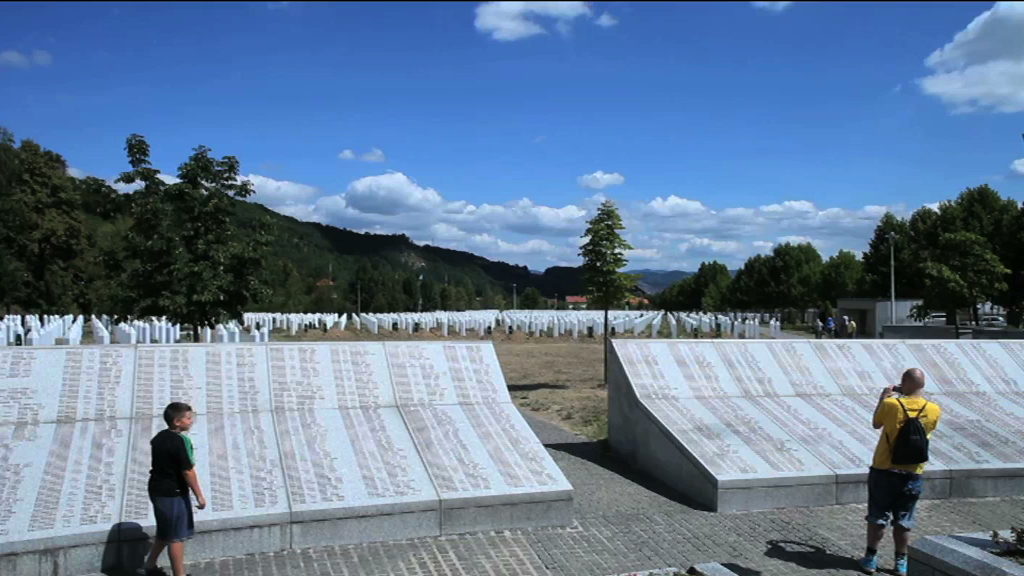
[
  {"x": 190, "y": 261},
  {"x": 963, "y": 273},
  {"x": 841, "y": 276},
  {"x": 531, "y": 299},
  {"x": 604, "y": 255},
  {"x": 753, "y": 286},
  {"x": 41, "y": 233},
  {"x": 876, "y": 260},
  {"x": 797, "y": 275}
]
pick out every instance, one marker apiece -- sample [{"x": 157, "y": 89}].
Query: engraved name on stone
[{"x": 446, "y": 451}]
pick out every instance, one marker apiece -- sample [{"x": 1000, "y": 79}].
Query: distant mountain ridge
[{"x": 654, "y": 281}]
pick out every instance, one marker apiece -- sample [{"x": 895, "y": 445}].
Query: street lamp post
[{"x": 892, "y": 277}]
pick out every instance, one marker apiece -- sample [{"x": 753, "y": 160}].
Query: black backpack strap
[
  {"x": 919, "y": 412},
  {"x": 904, "y": 406}
]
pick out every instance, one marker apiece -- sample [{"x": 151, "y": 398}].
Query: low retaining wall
[{"x": 959, "y": 555}]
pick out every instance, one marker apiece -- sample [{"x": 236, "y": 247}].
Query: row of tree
[
  {"x": 964, "y": 253},
  {"x": 194, "y": 249}
]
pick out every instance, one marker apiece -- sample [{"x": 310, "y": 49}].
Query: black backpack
[{"x": 911, "y": 443}]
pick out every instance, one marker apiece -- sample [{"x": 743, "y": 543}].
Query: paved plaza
[{"x": 626, "y": 522}]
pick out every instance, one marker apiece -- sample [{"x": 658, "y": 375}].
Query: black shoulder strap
[
  {"x": 919, "y": 412},
  {"x": 904, "y": 406}
]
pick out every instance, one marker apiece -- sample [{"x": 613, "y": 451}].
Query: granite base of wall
[{"x": 959, "y": 555}]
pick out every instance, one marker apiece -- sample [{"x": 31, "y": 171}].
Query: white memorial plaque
[
  {"x": 733, "y": 440},
  {"x": 237, "y": 462},
  {"x": 329, "y": 376},
  {"x": 674, "y": 369},
  {"x": 481, "y": 450},
  {"x": 860, "y": 367},
  {"x": 802, "y": 368},
  {"x": 65, "y": 384},
  {"x": 60, "y": 480},
  {"x": 753, "y": 368},
  {"x": 350, "y": 458},
  {"x": 446, "y": 373},
  {"x": 1015, "y": 350},
  {"x": 835, "y": 431},
  {"x": 996, "y": 369},
  {"x": 210, "y": 378},
  {"x": 946, "y": 367}
]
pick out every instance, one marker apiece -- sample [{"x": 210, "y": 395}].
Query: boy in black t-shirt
[{"x": 172, "y": 474}]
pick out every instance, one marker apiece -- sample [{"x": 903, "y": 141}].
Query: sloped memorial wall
[
  {"x": 738, "y": 425},
  {"x": 296, "y": 445}
]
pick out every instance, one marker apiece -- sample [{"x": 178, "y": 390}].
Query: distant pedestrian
[
  {"x": 894, "y": 479},
  {"x": 853, "y": 328},
  {"x": 172, "y": 474}
]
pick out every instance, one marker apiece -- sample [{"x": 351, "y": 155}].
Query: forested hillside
[{"x": 66, "y": 244}]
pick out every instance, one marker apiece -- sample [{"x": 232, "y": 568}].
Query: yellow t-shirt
[{"x": 892, "y": 416}]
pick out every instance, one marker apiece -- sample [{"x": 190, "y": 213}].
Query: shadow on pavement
[
  {"x": 535, "y": 386},
  {"x": 597, "y": 452},
  {"x": 808, "y": 556},
  {"x": 741, "y": 570}
]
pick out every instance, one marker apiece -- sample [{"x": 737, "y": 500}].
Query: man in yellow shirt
[{"x": 893, "y": 489}]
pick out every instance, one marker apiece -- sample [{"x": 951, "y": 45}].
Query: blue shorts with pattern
[{"x": 892, "y": 497}]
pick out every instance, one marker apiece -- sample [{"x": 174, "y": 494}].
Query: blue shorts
[
  {"x": 174, "y": 522},
  {"x": 892, "y": 497}
]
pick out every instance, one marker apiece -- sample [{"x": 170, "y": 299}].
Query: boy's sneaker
[
  {"x": 869, "y": 564},
  {"x": 901, "y": 566}
]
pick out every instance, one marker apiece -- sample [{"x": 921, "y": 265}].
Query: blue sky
[{"x": 718, "y": 129}]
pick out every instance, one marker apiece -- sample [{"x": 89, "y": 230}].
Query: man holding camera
[{"x": 894, "y": 480}]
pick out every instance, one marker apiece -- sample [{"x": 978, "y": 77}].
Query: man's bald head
[{"x": 912, "y": 381}]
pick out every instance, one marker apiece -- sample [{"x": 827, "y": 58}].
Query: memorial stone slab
[
  {"x": 737, "y": 443},
  {"x": 323, "y": 376},
  {"x": 65, "y": 384},
  {"x": 210, "y": 378},
  {"x": 238, "y": 464},
  {"x": 860, "y": 367},
  {"x": 354, "y": 475},
  {"x": 60, "y": 484},
  {"x": 483, "y": 454},
  {"x": 446, "y": 373}
]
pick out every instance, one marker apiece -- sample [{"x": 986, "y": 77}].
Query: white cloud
[
  {"x": 796, "y": 239},
  {"x": 1018, "y": 166},
  {"x": 76, "y": 173},
  {"x": 374, "y": 155},
  {"x": 15, "y": 59},
  {"x": 600, "y": 180},
  {"x": 666, "y": 232},
  {"x": 508, "y": 21},
  {"x": 389, "y": 194},
  {"x": 277, "y": 193},
  {"x": 982, "y": 67},
  {"x": 772, "y": 6},
  {"x": 674, "y": 206},
  {"x": 606, "y": 20},
  {"x": 643, "y": 254},
  {"x": 712, "y": 246}
]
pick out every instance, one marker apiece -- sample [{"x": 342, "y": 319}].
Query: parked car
[
  {"x": 936, "y": 319},
  {"x": 992, "y": 321}
]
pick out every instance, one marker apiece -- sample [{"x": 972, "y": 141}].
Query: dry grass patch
[{"x": 561, "y": 382}]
